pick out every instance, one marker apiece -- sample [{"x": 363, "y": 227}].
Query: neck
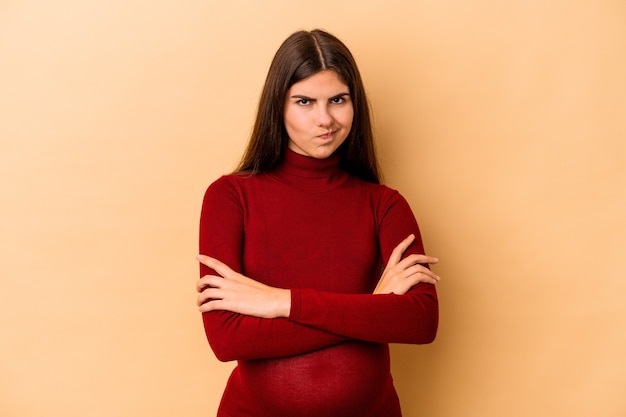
[{"x": 309, "y": 173}]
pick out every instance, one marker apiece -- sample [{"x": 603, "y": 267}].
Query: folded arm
[
  {"x": 232, "y": 335},
  {"x": 245, "y": 319}
]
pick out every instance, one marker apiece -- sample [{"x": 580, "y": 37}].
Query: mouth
[{"x": 327, "y": 135}]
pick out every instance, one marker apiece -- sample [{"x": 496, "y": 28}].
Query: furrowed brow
[{"x": 301, "y": 96}]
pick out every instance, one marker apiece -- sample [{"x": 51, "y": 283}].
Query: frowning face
[{"x": 318, "y": 114}]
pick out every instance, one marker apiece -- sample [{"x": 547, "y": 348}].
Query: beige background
[{"x": 503, "y": 123}]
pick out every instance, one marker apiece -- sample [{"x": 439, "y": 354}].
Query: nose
[{"x": 324, "y": 118}]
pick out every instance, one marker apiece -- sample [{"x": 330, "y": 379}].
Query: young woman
[{"x": 310, "y": 266}]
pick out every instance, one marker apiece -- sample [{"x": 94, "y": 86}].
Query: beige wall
[{"x": 503, "y": 123}]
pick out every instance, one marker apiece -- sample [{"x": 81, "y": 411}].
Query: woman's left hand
[
  {"x": 232, "y": 291},
  {"x": 400, "y": 275}
]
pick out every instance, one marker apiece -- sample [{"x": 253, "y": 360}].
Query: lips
[{"x": 327, "y": 135}]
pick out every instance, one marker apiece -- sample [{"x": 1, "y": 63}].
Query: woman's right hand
[
  {"x": 402, "y": 274},
  {"x": 235, "y": 292}
]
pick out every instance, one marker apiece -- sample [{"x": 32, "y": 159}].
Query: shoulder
[
  {"x": 385, "y": 200},
  {"x": 223, "y": 184},
  {"x": 381, "y": 192},
  {"x": 227, "y": 186},
  {"x": 235, "y": 186},
  {"x": 230, "y": 182}
]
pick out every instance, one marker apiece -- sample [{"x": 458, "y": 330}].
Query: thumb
[{"x": 221, "y": 268}]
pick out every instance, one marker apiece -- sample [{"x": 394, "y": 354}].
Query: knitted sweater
[{"x": 326, "y": 235}]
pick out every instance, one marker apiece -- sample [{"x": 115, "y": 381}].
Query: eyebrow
[{"x": 301, "y": 96}]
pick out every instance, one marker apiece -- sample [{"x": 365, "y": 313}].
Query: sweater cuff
[{"x": 296, "y": 305}]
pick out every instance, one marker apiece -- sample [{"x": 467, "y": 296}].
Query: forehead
[{"x": 323, "y": 83}]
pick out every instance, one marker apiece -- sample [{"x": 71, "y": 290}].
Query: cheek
[
  {"x": 295, "y": 121},
  {"x": 348, "y": 117}
]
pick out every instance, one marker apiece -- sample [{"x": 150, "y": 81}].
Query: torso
[{"x": 318, "y": 233}]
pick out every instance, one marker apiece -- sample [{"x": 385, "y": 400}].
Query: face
[{"x": 318, "y": 114}]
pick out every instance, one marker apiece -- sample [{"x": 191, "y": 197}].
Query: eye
[
  {"x": 338, "y": 100},
  {"x": 303, "y": 102}
]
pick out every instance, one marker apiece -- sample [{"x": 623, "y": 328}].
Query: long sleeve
[
  {"x": 311, "y": 227},
  {"x": 384, "y": 318},
  {"x": 234, "y": 336}
]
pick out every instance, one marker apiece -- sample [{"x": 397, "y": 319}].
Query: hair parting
[{"x": 300, "y": 56}]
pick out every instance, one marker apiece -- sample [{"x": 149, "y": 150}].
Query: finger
[
  {"x": 427, "y": 279},
  {"x": 219, "y": 267},
  {"x": 211, "y": 305},
  {"x": 421, "y": 271},
  {"x": 408, "y": 262},
  {"x": 422, "y": 280},
  {"x": 202, "y": 283},
  {"x": 416, "y": 279},
  {"x": 396, "y": 253},
  {"x": 208, "y": 281},
  {"x": 424, "y": 259},
  {"x": 208, "y": 295},
  {"x": 407, "y": 267},
  {"x": 417, "y": 258}
]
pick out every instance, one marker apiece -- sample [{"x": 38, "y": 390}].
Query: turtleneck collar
[{"x": 310, "y": 174}]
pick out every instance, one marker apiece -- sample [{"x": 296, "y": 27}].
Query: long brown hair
[{"x": 301, "y": 55}]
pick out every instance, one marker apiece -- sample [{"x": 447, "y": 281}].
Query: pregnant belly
[{"x": 348, "y": 379}]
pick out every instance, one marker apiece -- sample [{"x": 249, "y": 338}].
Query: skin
[
  {"x": 318, "y": 116},
  {"x": 232, "y": 291}
]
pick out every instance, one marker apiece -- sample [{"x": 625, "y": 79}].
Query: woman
[{"x": 294, "y": 243}]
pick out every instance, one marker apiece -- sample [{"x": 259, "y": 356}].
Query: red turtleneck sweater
[{"x": 326, "y": 235}]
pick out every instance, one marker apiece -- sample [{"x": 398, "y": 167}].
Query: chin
[{"x": 322, "y": 154}]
